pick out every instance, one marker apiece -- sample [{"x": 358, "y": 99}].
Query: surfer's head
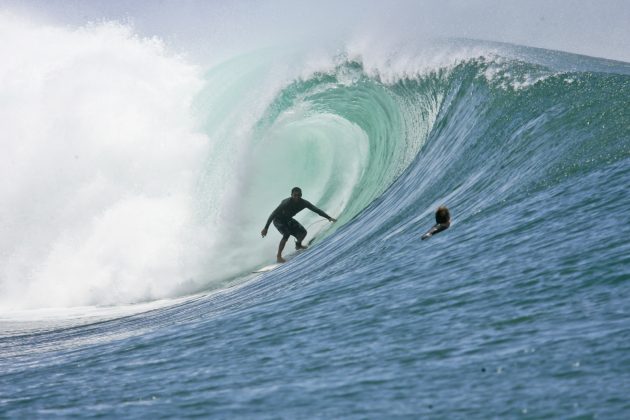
[
  {"x": 442, "y": 215},
  {"x": 296, "y": 193}
]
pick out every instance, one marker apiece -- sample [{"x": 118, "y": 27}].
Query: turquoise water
[{"x": 520, "y": 309}]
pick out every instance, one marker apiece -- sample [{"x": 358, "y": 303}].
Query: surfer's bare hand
[
  {"x": 263, "y": 232},
  {"x": 332, "y": 220}
]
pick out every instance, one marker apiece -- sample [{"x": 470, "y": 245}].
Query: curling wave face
[{"x": 130, "y": 177}]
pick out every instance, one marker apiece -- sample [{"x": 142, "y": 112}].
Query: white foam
[{"x": 100, "y": 156}]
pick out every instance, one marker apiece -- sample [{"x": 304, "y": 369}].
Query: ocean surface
[{"x": 135, "y": 186}]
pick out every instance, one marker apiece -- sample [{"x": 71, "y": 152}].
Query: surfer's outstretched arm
[
  {"x": 319, "y": 211},
  {"x": 269, "y": 220}
]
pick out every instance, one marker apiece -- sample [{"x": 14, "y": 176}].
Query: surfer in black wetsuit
[
  {"x": 282, "y": 218},
  {"x": 442, "y": 222}
]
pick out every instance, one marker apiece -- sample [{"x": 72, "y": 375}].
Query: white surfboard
[
  {"x": 267, "y": 268},
  {"x": 276, "y": 265}
]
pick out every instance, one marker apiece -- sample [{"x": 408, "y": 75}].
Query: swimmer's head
[{"x": 442, "y": 215}]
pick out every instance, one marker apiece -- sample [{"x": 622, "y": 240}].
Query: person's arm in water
[
  {"x": 437, "y": 228},
  {"x": 319, "y": 211}
]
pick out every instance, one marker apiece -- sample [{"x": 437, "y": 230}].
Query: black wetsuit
[
  {"x": 282, "y": 217},
  {"x": 437, "y": 228}
]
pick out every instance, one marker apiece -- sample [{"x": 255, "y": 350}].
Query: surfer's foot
[
  {"x": 280, "y": 259},
  {"x": 298, "y": 245}
]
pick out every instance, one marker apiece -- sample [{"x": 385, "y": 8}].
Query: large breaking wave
[{"x": 130, "y": 175}]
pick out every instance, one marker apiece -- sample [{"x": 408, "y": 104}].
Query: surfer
[
  {"x": 282, "y": 218},
  {"x": 442, "y": 222}
]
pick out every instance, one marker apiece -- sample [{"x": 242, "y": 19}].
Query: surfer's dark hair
[
  {"x": 296, "y": 189},
  {"x": 442, "y": 215}
]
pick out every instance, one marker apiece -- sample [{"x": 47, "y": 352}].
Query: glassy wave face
[{"x": 148, "y": 181}]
